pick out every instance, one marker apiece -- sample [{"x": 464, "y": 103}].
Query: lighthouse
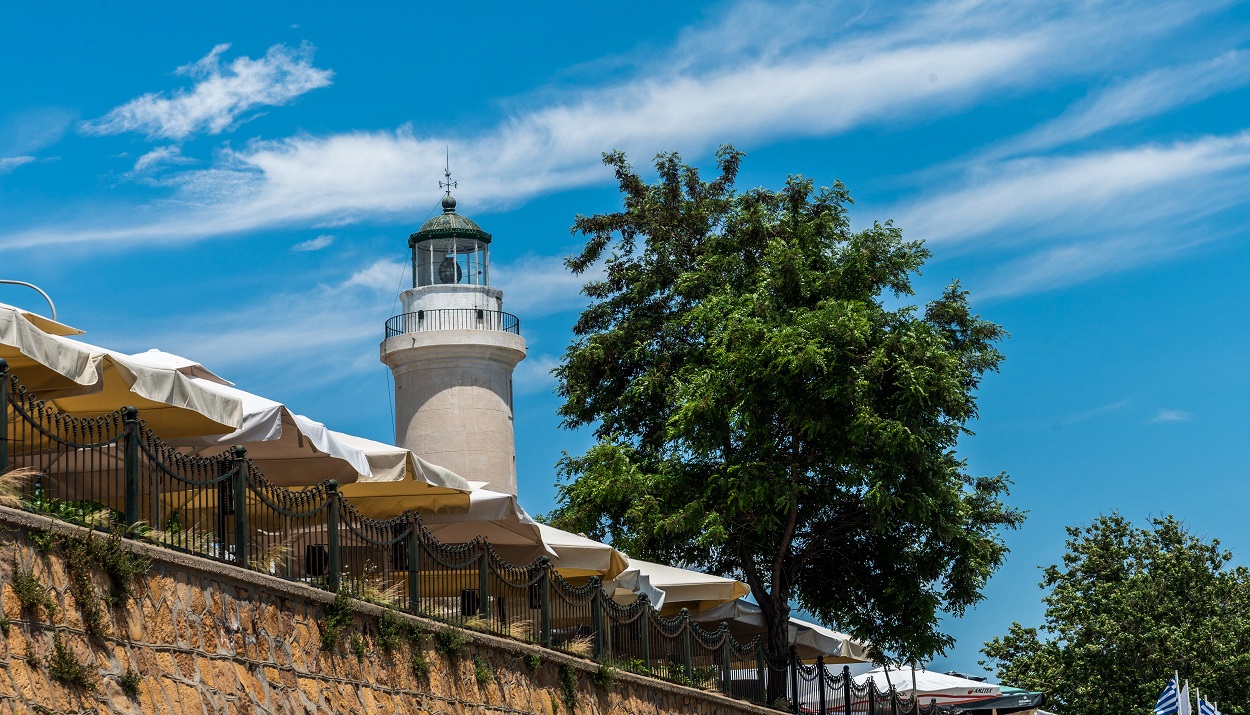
[{"x": 452, "y": 351}]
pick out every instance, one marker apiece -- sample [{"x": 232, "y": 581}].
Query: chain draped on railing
[{"x": 111, "y": 471}]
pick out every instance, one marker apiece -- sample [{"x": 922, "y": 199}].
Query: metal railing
[
  {"x": 453, "y": 319},
  {"x": 111, "y": 470}
]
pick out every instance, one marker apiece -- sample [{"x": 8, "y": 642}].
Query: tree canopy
[
  {"x": 1127, "y": 608},
  {"x": 760, "y": 411}
]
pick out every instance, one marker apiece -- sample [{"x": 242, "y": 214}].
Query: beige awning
[
  {"x": 577, "y": 556},
  {"x": 401, "y": 481},
  {"x": 87, "y": 381},
  {"x": 684, "y": 588},
  {"x": 41, "y": 362},
  {"x": 493, "y": 515},
  {"x": 170, "y": 403}
]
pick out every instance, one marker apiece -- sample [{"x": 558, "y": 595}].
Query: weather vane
[{"x": 449, "y": 184}]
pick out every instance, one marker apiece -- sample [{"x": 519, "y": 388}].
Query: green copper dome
[{"x": 449, "y": 224}]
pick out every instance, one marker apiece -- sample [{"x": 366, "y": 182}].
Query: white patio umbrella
[
  {"x": 577, "y": 556},
  {"x": 401, "y": 481},
  {"x": 684, "y": 588},
  {"x": 42, "y": 363},
  {"x": 631, "y": 583},
  {"x": 499, "y": 518},
  {"x": 290, "y": 449},
  {"x": 809, "y": 639},
  {"x": 946, "y": 689},
  {"x": 85, "y": 380}
]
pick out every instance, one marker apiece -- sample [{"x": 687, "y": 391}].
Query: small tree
[
  {"x": 1127, "y": 608},
  {"x": 761, "y": 412}
]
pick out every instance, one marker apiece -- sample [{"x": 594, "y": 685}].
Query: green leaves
[
  {"x": 1125, "y": 609},
  {"x": 760, "y": 412}
]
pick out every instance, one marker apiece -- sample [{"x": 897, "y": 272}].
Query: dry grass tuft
[
  {"x": 270, "y": 558},
  {"x": 581, "y": 645},
  {"x": 477, "y": 623},
  {"x": 11, "y": 484},
  {"x": 192, "y": 539},
  {"x": 520, "y": 630}
]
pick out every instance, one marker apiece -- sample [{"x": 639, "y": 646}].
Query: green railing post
[
  {"x": 4, "y": 415},
  {"x": 414, "y": 567},
  {"x": 645, "y": 600},
  {"x": 794, "y": 679},
  {"x": 240, "y": 505},
  {"x": 544, "y": 592},
  {"x": 483, "y": 584},
  {"x": 130, "y": 421},
  {"x": 893, "y": 700},
  {"x": 687, "y": 653},
  {"x": 846, "y": 687},
  {"x": 820, "y": 683},
  {"x": 725, "y": 664},
  {"x": 332, "y": 534},
  {"x": 596, "y": 615},
  {"x": 872, "y": 699}
]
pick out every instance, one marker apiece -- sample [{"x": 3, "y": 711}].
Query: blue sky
[{"x": 236, "y": 183}]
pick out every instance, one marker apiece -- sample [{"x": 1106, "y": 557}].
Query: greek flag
[
  {"x": 1205, "y": 708},
  {"x": 1170, "y": 699}
]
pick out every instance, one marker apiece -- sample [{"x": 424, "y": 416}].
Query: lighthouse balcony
[{"x": 453, "y": 319}]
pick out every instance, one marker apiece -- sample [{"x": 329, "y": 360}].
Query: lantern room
[{"x": 450, "y": 249}]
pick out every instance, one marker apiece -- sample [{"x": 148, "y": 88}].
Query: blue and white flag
[
  {"x": 1169, "y": 700},
  {"x": 1205, "y": 708}
]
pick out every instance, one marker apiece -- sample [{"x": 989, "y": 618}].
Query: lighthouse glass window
[{"x": 448, "y": 261}]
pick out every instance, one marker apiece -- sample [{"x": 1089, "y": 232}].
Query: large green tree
[
  {"x": 765, "y": 407},
  {"x": 1128, "y": 607}
]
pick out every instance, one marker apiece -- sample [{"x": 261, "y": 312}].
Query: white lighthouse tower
[{"x": 452, "y": 351}]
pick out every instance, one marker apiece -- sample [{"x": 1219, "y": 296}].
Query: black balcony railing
[
  {"x": 453, "y": 319},
  {"x": 113, "y": 469}
]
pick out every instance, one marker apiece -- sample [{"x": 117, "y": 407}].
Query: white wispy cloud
[
  {"x": 824, "y": 75},
  {"x": 27, "y": 131},
  {"x": 9, "y": 163},
  {"x": 1137, "y": 99},
  {"x": 382, "y": 275},
  {"x": 161, "y": 155},
  {"x": 325, "y": 240},
  {"x": 341, "y": 321},
  {"x": 1142, "y": 183},
  {"x": 533, "y": 374},
  {"x": 541, "y": 285},
  {"x": 1163, "y": 416},
  {"x": 1094, "y": 412},
  {"x": 220, "y": 95}
]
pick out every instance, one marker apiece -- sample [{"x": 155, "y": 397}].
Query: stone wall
[{"x": 199, "y": 637}]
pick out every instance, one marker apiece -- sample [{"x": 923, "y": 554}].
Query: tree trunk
[{"x": 777, "y": 648}]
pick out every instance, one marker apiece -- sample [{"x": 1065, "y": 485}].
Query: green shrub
[
  {"x": 129, "y": 681},
  {"x": 633, "y": 665},
  {"x": 568, "y": 687},
  {"x": 43, "y": 539},
  {"x": 30, "y": 591},
  {"x": 358, "y": 646},
  {"x": 390, "y": 629},
  {"x": 532, "y": 662},
  {"x": 64, "y": 666},
  {"x": 482, "y": 672},
  {"x": 338, "y": 617},
  {"x": 451, "y": 643},
  {"x": 5, "y": 625},
  {"x": 604, "y": 677},
  {"x": 418, "y": 637},
  {"x": 420, "y": 666}
]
